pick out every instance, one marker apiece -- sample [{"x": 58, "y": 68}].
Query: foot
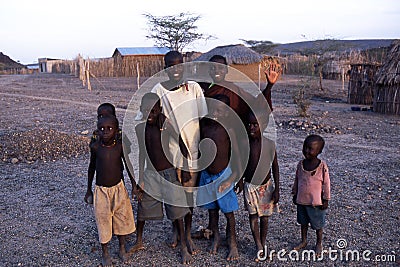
[
  {"x": 260, "y": 256},
  {"x": 233, "y": 254},
  {"x": 300, "y": 246},
  {"x": 106, "y": 261},
  {"x": 214, "y": 247},
  {"x": 192, "y": 248},
  {"x": 174, "y": 241},
  {"x": 186, "y": 257},
  {"x": 136, "y": 247},
  {"x": 318, "y": 250},
  {"x": 123, "y": 255}
]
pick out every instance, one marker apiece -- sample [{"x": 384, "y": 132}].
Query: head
[
  {"x": 313, "y": 146},
  {"x": 218, "y": 71},
  {"x": 256, "y": 123},
  {"x": 173, "y": 61},
  {"x": 219, "y": 109},
  {"x": 105, "y": 109},
  {"x": 150, "y": 107},
  {"x": 107, "y": 127}
]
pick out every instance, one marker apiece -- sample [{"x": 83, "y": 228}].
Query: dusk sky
[{"x": 63, "y": 29}]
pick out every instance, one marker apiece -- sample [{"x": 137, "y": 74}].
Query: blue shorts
[
  {"x": 209, "y": 197},
  {"x": 311, "y": 215}
]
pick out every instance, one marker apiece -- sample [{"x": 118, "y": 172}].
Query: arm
[
  {"x": 272, "y": 74},
  {"x": 326, "y": 187},
  {"x": 237, "y": 168},
  {"x": 140, "y": 137},
  {"x": 275, "y": 174},
  {"x": 295, "y": 186},
  {"x": 130, "y": 174},
  {"x": 91, "y": 171}
]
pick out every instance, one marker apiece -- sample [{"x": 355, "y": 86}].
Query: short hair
[
  {"x": 171, "y": 56},
  {"x": 109, "y": 117},
  {"x": 223, "y": 98},
  {"x": 107, "y": 105},
  {"x": 216, "y": 58},
  {"x": 152, "y": 98},
  {"x": 315, "y": 138}
]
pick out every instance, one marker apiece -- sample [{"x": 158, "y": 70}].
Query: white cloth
[{"x": 184, "y": 107}]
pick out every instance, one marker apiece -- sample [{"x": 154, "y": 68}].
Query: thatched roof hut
[
  {"x": 239, "y": 57},
  {"x": 361, "y": 83},
  {"x": 387, "y": 89}
]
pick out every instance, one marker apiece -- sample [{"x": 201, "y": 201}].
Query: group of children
[{"x": 168, "y": 167}]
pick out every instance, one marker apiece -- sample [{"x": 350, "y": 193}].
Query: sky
[{"x": 94, "y": 28}]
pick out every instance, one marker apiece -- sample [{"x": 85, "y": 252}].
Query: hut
[
  {"x": 138, "y": 61},
  {"x": 387, "y": 88},
  {"x": 361, "y": 83},
  {"x": 239, "y": 57}
]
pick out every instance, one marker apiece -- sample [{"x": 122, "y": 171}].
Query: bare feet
[
  {"x": 186, "y": 257},
  {"x": 192, "y": 248},
  {"x": 318, "y": 250},
  {"x": 106, "y": 261},
  {"x": 123, "y": 255},
  {"x": 300, "y": 246},
  {"x": 174, "y": 240},
  {"x": 215, "y": 245},
  {"x": 233, "y": 254},
  {"x": 136, "y": 247}
]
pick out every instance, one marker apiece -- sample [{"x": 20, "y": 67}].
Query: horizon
[{"x": 94, "y": 29}]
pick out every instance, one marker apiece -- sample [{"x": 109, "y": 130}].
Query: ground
[{"x": 45, "y": 127}]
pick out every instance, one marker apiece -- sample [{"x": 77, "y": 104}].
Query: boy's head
[
  {"x": 313, "y": 146},
  {"x": 219, "y": 109},
  {"x": 217, "y": 71},
  {"x": 107, "y": 127},
  {"x": 150, "y": 107},
  {"x": 256, "y": 121},
  {"x": 172, "y": 61},
  {"x": 105, "y": 109}
]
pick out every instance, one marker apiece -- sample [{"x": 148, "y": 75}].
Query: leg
[
  {"x": 175, "y": 236},
  {"x": 139, "y": 237},
  {"x": 122, "y": 250},
  {"x": 185, "y": 255},
  {"x": 106, "y": 259},
  {"x": 231, "y": 236},
  {"x": 303, "y": 244},
  {"x": 318, "y": 247},
  {"x": 188, "y": 228},
  {"x": 263, "y": 233},
  {"x": 213, "y": 216},
  {"x": 255, "y": 231}
]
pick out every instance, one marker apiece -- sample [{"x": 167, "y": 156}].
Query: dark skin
[
  {"x": 151, "y": 150},
  {"x": 175, "y": 70},
  {"x": 106, "y": 160},
  {"x": 213, "y": 130},
  {"x": 311, "y": 150},
  {"x": 260, "y": 155}
]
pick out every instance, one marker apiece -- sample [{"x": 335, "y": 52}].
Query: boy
[
  {"x": 311, "y": 191},
  {"x": 219, "y": 177},
  {"x": 112, "y": 206},
  {"x": 158, "y": 167},
  {"x": 260, "y": 194},
  {"x": 183, "y": 104}
]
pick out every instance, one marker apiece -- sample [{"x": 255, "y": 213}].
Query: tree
[
  {"x": 262, "y": 47},
  {"x": 174, "y": 31}
]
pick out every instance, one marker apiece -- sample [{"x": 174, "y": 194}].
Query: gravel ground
[{"x": 45, "y": 130}]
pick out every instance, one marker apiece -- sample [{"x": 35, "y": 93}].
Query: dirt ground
[{"x": 45, "y": 127}]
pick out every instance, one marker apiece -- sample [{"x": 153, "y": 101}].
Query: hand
[
  {"x": 137, "y": 191},
  {"x": 273, "y": 72},
  {"x": 89, "y": 197},
  {"x": 275, "y": 196},
  {"x": 294, "y": 199},
  {"x": 224, "y": 186},
  {"x": 324, "y": 205},
  {"x": 239, "y": 186}
]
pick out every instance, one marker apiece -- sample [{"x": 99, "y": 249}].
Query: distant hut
[
  {"x": 138, "y": 61},
  {"x": 239, "y": 57},
  {"x": 387, "y": 89},
  {"x": 361, "y": 83}
]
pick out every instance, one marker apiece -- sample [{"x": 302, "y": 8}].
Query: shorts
[
  {"x": 160, "y": 190},
  {"x": 258, "y": 199},
  {"x": 113, "y": 212},
  {"x": 209, "y": 197},
  {"x": 311, "y": 215}
]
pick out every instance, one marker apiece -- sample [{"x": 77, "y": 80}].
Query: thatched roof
[
  {"x": 389, "y": 73},
  {"x": 234, "y": 54}
]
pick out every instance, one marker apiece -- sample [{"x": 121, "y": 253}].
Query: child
[
  {"x": 219, "y": 176},
  {"x": 311, "y": 191},
  {"x": 112, "y": 206},
  {"x": 158, "y": 167},
  {"x": 183, "y": 104},
  {"x": 260, "y": 194},
  {"x": 104, "y": 109}
]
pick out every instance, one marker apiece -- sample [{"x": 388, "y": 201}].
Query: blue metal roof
[{"x": 128, "y": 51}]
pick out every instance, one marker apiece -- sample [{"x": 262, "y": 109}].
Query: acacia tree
[{"x": 174, "y": 31}]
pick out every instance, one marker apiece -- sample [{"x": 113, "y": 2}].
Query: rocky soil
[{"x": 45, "y": 128}]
